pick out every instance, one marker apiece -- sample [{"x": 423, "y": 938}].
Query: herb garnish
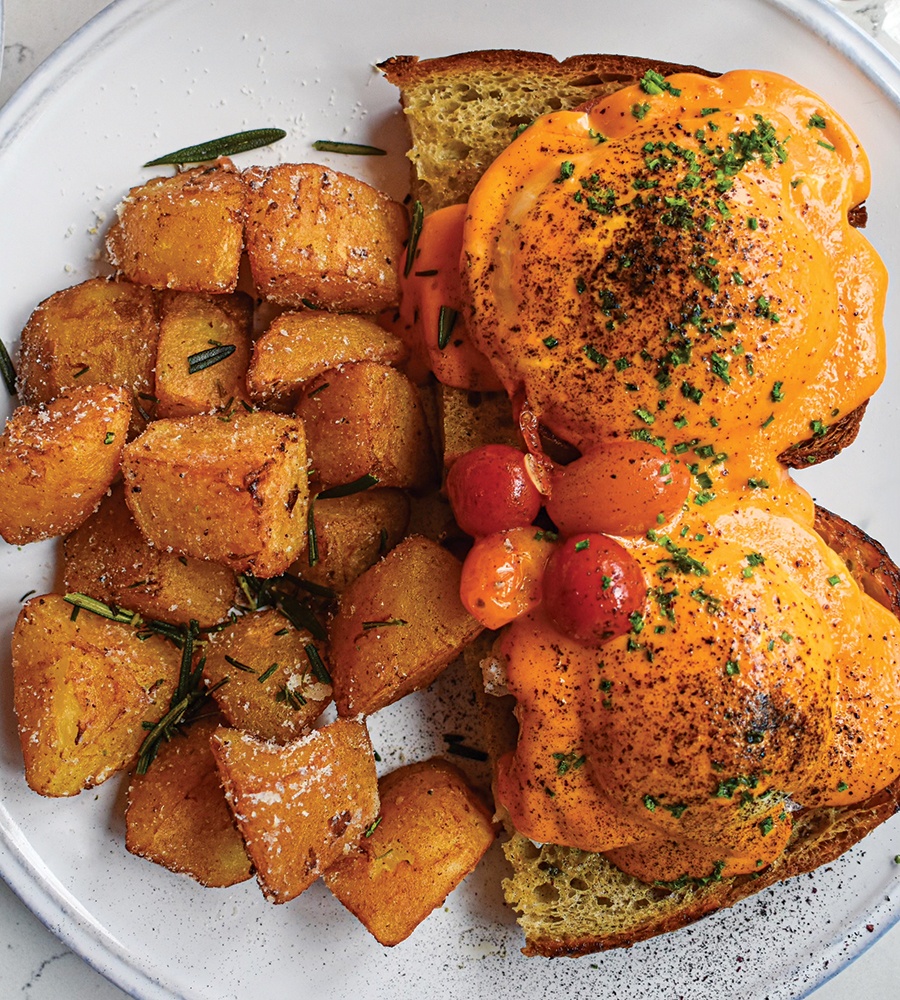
[
  {"x": 415, "y": 231},
  {"x": 226, "y": 145},
  {"x": 209, "y": 357},
  {"x": 350, "y": 148},
  {"x": 7, "y": 370}
]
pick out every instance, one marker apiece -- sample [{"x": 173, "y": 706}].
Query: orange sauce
[{"x": 674, "y": 265}]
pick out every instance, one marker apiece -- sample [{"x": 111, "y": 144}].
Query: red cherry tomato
[
  {"x": 618, "y": 488},
  {"x": 490, "y": 490},
  {"x": 501, "y": 575},
  {"x": 592, "y": 586}
]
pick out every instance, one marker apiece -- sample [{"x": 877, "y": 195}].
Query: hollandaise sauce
[{"x": 667, "y": 281}]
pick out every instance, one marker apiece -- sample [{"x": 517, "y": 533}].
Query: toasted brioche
[{"x": 461, "y": 111}]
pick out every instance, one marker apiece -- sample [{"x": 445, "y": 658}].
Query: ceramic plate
[{"x": 147, "y": 76}]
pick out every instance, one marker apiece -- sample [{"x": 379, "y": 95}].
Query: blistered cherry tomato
[
  {"x": 592, "y": 587},
  {"x": 618, "y": 488},
  {"x": 490, "y": 490},
  {"x": 501, "y": 575}
]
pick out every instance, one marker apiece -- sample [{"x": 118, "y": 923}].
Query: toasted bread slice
[
  {"x": 570, "y": 902},
  {"x": 462, "y": 110}
]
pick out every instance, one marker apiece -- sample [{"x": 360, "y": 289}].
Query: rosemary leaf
[
  {"x": 103, "y": 610},
  {"x": 315, "y": 661},
  {"x": 418, "y": 217},
  {"x": 7, "y": 370},
  {"x": 446, "y": 321},
  {"x": 352, "y": 148},
  {"x": 357, "y": 486},
  {"x": 211, "y": 356},
  {"x": 226, "y": 145}
]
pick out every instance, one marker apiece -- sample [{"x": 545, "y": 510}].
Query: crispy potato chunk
[
  {"x": 432, "y": 830},
  {"x": 192, "y": 329},
  {"x": 367, "y": 418},
  {"x": 299, "y": 806},
  {"x": 471, "y": 419},
  {"x": 351, "y": 534},
  {"x": 234, "y": 492},
  {"x": 272, "y": 690},
  {"x": 57, "y": 461},
  {"x": 177, "y": 815},
  {"x": 107, "y": 557},
  {"x": 298, "y": 346},
  {"x": 100, "y": 331},
  {"x": 183, "y": 232},
  {"x": 397, "y": 627},
  {"x": 316, "y": 235},
  {"x": 82, "y": 688}
]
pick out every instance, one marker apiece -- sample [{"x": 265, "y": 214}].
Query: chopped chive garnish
[
  {"x": 351, "y": 148},
  {"x": 211, "y": 356},
  {"x": 226, "y": 145}
]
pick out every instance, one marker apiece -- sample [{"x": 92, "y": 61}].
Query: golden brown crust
[
  {"x": 587, "y": 71},
  {"x": 814, "y": 450}
]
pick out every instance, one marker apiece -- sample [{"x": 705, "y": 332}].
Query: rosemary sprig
[
  {"x": 188, "y": 693},
  {"x": 226, "y": 145},
  {"x": 114, "y": 614}
]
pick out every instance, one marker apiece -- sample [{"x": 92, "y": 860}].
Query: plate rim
[{"x": 20, "y": 866}]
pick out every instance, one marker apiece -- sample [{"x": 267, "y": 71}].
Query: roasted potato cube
[
  {"x": 83, "y": 686},
  {"x": 195, "y": 373},
  {"x": 298, "y": 346},
  {"x": 234, "y": 492},
  {"x": 277, "y": 677},
  {"x": 316, "y": 235},
  {"x": 397, "y": 627},
  {"x": 432, "y": 830},
  {"x": 298, "y": 806},
  {"x": 100, "y": 331},
  {"x": 57, "y": 461},
  {"x": 183, "y": 232},
  {"x": 108, "y": 558},
  {"x": 351, "y": 534},
  {"x": 472, "y": 419},
  {"x": 367, "y": 418},
  {"x": 177, "y": 815}
]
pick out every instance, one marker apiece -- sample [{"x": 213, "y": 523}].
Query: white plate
[{"x": 147, "y": 76}]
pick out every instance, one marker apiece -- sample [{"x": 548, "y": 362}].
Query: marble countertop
[{"x": 35, "y": 965}]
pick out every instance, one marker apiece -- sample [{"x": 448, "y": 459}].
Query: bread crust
[{"x": 587, "y": 71}]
